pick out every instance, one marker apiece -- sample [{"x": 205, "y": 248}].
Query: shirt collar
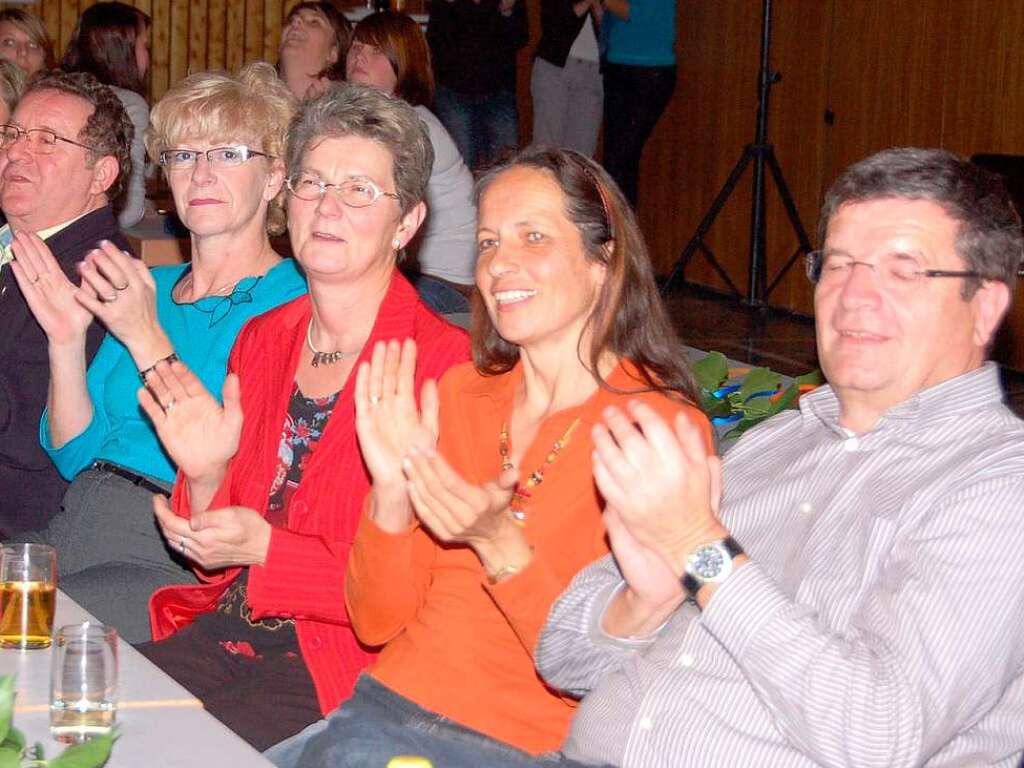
[
  {"x": 7, "y": 236},
  {"x": 960, "y": 395}
]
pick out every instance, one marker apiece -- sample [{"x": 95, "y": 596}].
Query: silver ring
[
  {"x": 171, "y": 404},
  {"x": 109, "y": 299},
  {"x": 121, "y": 287},
  {"x": 374, "y": 399},
  {"x": 181, "y": 544}
]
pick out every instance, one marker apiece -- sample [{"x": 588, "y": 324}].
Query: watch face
[{"x": 707, "y": 563}]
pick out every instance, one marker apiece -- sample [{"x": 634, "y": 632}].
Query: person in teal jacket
[{"x": 220, "y": 139}]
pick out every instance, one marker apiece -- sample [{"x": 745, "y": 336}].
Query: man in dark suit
[{"x": 64, "y": 160}]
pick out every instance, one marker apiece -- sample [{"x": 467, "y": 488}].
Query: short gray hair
[
  {"x": 358, "y": 110},
  {"x": 989, "y": 237}
]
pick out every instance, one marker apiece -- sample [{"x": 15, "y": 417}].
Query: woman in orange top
[{"x": 462, "y": 549}]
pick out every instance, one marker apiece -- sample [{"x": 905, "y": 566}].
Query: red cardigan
[{"x": 304, "y": 574}]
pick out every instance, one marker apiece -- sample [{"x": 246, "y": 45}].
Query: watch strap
[{"x": 692, "y": 583}]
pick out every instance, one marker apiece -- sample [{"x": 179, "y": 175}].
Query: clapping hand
[
  {"x": 388, "y": 422},
  {"x": 199, "y": 434},
  {"x": 59, "y": 306},
  {"x": 660, "y": 481}
]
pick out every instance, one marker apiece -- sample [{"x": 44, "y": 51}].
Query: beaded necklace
[{"x": 521, "y": 496}]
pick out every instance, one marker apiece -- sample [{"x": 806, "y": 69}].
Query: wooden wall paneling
[
  {"x": 69, "y": 10},
  {"x": 216, "y": 38},
  {"x": 234, "y": 53},
  {"x": 160, "y": 49},
  {"x": 179, "y": 55},
  {"x": 253, "y": 31},
  {"x": 796, "y": 126},
  {"x": 198, "y": 34},
  {"x": 700, "y": 137},
  {"x": 888, "y": 72},
  {"x": 273, "y": 14}
]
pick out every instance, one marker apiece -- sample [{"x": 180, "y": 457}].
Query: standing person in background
[
  {"x": 566, "y": 82},
  {"x": 473, "y": 44},
  {"x": 12, "y": 84},
  {"x": 111, "y": 41},
  {"x": 314, "y": 40},
  {"x": 639, "y": 78},
  {"x": 23, "y": 40},
  {"x": 390, "y": 53}
]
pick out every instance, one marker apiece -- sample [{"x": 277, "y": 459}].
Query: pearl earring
[{"x": 396, "y": 243}]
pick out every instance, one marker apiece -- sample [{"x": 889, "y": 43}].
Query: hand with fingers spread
[
  {"x": 123, "y": 296},
  {"x": 660, "y": 481},
  {"x": 199, "y": 434},
  {"x": 476, "y": 515},
  {"x": 217, "y": 538},
  {"x": 52, "y": 297},
  {"x": 389, "y": 424}
]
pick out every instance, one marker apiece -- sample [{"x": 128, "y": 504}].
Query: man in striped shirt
[{"x": 848, "y": 588}]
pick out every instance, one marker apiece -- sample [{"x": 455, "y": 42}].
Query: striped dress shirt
[{"x": 880, "y": 621}]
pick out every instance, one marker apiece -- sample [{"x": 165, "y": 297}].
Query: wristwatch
[{"x": 710, "y": 563}]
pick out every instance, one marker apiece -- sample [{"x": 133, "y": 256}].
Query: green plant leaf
[
  {"x": 90, "y": 754},
  {"x": 711, "y": 371},
  {"x": 758, "y": 408},
  {"x": 815, "y": 378},
  {"x": 759, "y": 380},
  {"x": 6, "y": 704},
  {"x": 10, "y": 757},
  {"x": 15, "y": 738}
]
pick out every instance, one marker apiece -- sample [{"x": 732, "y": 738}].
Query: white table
[{"x": 160, "y": 724}]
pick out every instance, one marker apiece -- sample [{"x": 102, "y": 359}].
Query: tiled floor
[{"x": 781, "y": 341}]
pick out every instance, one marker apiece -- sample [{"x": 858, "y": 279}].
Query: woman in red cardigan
[{"x": 270, "y": 484}]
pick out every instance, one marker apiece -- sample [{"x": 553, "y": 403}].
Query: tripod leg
[
  {"x": 705, "y": 225},
  {"x": 791, "y": 212}
]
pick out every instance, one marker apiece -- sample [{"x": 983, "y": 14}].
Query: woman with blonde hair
[
  {"x": 271, "y": 484},
  {"x": 220, "y": 139},
  {"x": 24, "y": 41}
]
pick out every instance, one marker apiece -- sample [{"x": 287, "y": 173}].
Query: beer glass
[
  {"x": 28, "y": 595},
  {"x": 83, "y": 682}
]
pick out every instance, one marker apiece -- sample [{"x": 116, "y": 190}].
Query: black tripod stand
[{"x": 760, "y": 152}]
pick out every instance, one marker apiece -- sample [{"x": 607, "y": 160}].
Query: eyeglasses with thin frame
[
  {"x": 896, "y": 270},
  {"x": 218, "y": 157},
  {"x": 42, "y": 141},
  {"x": 355, "y": 193}
]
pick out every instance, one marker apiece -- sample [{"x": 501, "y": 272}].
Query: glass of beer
[
  {"x": 83, "y": 682},
  {"x": 28, "y": 595}
]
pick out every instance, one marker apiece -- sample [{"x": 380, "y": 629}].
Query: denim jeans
[
  {"x": 482, "y": 126},
  {"x": 377, "y": 724}
]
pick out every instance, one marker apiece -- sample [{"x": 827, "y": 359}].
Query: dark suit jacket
[{"x": 30, "y": 488}]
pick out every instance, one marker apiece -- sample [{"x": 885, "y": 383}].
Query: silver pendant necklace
[{"x": 324, "y": 358}]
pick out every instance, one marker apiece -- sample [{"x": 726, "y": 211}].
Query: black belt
[{"x": 131, "y": 477}]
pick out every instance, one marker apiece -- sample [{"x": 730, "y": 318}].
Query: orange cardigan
[{"x": 456, "y": 644}]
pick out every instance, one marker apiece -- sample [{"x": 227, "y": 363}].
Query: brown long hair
[
  {"x": 103, "y": 44},
  {"x": 629, "y": 318},
  {"x": 403, "y": 42}
]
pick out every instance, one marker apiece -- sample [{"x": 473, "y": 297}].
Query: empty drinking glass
[{"x": 83, "y": 682}]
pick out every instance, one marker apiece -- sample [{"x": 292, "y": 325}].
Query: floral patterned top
[{"x": 304, "y": 423}]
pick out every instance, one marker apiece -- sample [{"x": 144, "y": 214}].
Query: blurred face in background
[
  {"x": 308, "y": 42},
  {"x": 367, "y": 64},
  {"x": 142, "y": 50},
  {"x": 16, "y": 46}
]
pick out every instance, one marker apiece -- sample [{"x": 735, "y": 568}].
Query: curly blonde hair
[{"x": 254, "y": 107}]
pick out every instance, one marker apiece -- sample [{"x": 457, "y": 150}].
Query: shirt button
[
  {"x": 851, "y": 444},
  {"x": 315, "y": 643},
  {"x": 645, "y": 723},
  {"x": 806, "y": 508},
  {"x": 686, "y": 660}
]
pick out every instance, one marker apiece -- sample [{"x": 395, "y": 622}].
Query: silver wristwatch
[{"x": 710, "y": 563}]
